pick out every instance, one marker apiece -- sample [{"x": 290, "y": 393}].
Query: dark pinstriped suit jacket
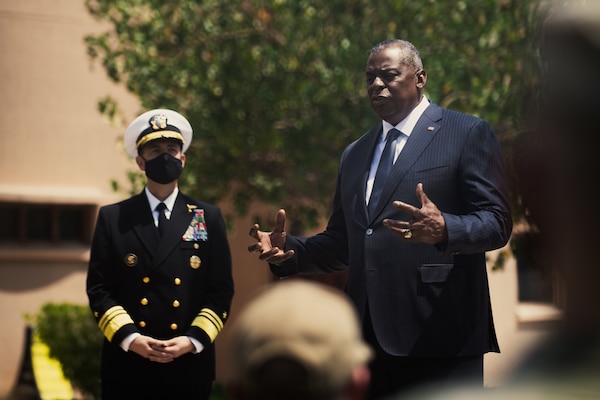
[{"x": 424, "y": 300}]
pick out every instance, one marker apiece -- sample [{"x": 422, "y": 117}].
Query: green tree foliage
[
  {"x": 275, "y": 89},
  {"x": 71, "y": 333}
]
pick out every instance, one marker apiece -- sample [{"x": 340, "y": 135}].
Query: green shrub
[{"x": 71, "y": 333}]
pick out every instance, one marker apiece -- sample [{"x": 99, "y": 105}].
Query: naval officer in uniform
[{"x": 159, "y": 279}]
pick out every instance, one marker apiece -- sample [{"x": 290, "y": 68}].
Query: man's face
[
  {"x": 157, "y": 147},
  {"x": 394, "y": 88}
]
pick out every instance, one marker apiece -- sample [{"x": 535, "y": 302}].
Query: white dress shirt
[{"x": 405, "y": 126}]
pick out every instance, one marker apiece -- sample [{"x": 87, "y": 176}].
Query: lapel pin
[
  {"x": 191, "y": 207},
  {"x": 430, "y": 128}
]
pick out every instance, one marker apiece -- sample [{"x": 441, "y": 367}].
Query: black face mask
[{"x": 164, "y": 169}]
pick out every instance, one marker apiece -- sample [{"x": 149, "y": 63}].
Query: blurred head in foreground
[
  {"x": 563, "y": 202},
  {"x": 567, "y": 138},
  {"x": 298, "y": 340}
]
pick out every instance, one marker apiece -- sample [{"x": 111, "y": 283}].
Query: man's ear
[
  {"x": 140, "y": 162},
  {"x": 421, "y": 78},
  {"x": 183, "y": 159}
]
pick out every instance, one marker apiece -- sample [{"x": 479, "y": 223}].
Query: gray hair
[{"x": 411, "y": 56}]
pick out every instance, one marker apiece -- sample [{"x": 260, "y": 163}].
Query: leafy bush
[{"x": 71, "y": 333}]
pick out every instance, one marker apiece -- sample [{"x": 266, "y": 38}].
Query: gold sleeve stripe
[
  {"x": 209, "y": 322},
  {"x": 114, "y": 319}
]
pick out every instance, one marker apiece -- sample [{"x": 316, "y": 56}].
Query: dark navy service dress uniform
[{"x": 179, "y": 284}]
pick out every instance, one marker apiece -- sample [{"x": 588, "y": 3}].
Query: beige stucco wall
[
  {"x": 55, "y": 147},
  {"x": 51, "y": 134}
]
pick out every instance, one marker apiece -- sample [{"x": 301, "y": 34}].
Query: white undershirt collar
[{"x": 169, "y": 202}]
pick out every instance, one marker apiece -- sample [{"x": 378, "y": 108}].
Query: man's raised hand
[{"x": 270, "y": 245}]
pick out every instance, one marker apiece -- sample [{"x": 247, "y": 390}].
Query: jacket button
[
  {"x": 142, "y": 324},
  {"x": 176, "y": 303},
  {"x": 144, "y": 301},
  {"x": 177, "y": 281},
  {"x": 369, "y": 231},
  {"x": 146, "y": 279},
  {"x": 173, "y": 327}
]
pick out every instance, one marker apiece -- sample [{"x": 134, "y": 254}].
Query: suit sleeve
[
  {"x": 324, "y": 252},
  {"x": 113, "y": 320},
  {"x": 485, "y": 222}
]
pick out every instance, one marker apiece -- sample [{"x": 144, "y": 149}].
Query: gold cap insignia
[{"x": 158, "y": 121}]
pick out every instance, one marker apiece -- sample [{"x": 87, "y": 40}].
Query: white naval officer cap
[{"x": 160, "y": 123}]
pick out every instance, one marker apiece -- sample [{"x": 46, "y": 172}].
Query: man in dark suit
[
  {"x": 414, "y": 243},
  {"x": 159, "y": 279}
]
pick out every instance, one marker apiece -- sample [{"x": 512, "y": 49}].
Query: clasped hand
[{"x": 161, "y": 351}]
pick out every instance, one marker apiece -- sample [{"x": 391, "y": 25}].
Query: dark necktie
[
  {"x": 162, "y": 218},
  {"x": 385, "y": 166}
]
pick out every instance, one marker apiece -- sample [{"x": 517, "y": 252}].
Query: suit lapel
[
  {"x": 422, "y": 134},
  {"x": 143, "y": 223}
]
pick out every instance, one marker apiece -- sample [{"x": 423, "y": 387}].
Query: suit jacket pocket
[
  {"x": 435, "y": 273},
  {"x": 195, "y": 245},
  {"x": 442, "y": 170},
  {"x": 189, "y": 249}
]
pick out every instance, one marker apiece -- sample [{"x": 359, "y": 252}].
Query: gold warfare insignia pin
[
  {"x": 191, "y": 207},
  {"x": 131, "y": 260},
  {"x": 195, "y": 262}
]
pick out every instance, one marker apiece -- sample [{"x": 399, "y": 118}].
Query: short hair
[{"x": 411, "y": 56}]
